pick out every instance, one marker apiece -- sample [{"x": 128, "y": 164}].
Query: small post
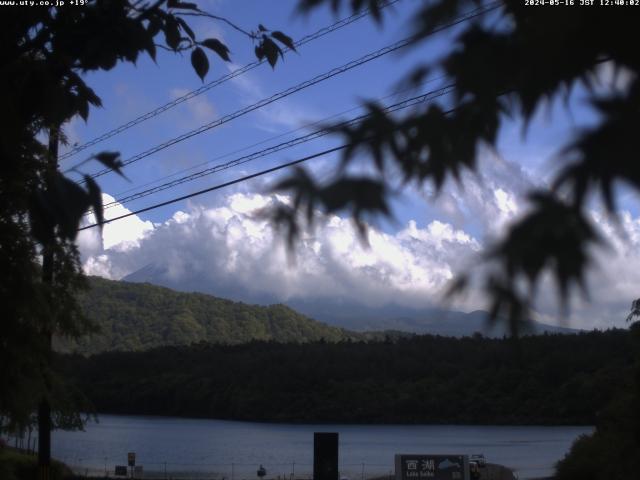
[
  {"x": 325, "y": 456},
  {"x": 362, "y": 477},
  {"x": 231, "y": 470},
  {"x": 165, "y": 470},
  {"x": 293, "y": 470}
]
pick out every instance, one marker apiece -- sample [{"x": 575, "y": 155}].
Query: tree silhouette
[
  {"x": 507, "y": 63},
  {"x": 613, "y": 450},
  {"x": 44, "y": 52}
]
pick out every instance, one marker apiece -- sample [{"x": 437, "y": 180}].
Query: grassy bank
[{"x": 15, "y": 465}]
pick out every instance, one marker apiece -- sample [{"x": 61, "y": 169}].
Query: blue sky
[{"x": 411, "y": 259}]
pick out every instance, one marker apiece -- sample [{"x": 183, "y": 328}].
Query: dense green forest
[
  {"x": 548, "y": 379},
  {"x": 612, "y": 452},
  {"x": 136, "y": 316}
]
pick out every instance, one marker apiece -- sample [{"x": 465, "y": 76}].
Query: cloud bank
[{"x": 226, "y": 250}]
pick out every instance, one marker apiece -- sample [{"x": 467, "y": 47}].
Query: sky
[{"x": 219, "y": 239}]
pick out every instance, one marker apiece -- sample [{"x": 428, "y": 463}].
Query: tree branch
[
  {"x": 179, "y": 49},
  {"x": 200, "y": 13},
  {"x": 148, "y": 10}
]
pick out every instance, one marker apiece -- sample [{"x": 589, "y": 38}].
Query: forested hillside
[
  {"x": 135, "y": 316},
  {"x": 548, "y": 379}
]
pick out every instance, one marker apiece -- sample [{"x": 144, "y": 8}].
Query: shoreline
[
  {"x": 491, "y": 471},
  {"x": 341, "y": 422}
]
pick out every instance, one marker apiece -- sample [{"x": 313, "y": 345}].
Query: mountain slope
[
  {"x": 136, "y": 316},
  {"x": 433, "y": 321},
  {"x": 346, "y": 313}
]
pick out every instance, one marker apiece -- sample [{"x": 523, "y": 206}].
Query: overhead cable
[
  {"x": 279, "y": 147},
  {"x": 219, "y": 186},
  {"x": 315, "y": 123},
  {"x": 204, "y": 88},
  {"x": 291, "y": 90},
  {"x": 227, "y": 184}
]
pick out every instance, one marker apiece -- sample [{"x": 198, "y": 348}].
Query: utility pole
[{"x": 44, "y": 408}]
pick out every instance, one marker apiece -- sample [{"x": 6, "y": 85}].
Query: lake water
[{"x": 234, "y": 450}]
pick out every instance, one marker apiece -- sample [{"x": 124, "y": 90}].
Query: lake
[{"x": 234, "y": 450}]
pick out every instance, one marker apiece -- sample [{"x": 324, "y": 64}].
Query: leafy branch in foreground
[
  {"x": 506, "y": 64},
  {"x": 44, "y": 54}
]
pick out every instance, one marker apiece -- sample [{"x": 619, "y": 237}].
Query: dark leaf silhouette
[
  {"x": 284, "y": 39},
  {"x": 150, "y": 48},
  {"x": 182, "y": 5},
  {"x": 506, "y": 303},
  {"x": 283, "y": 218},
  {"x": 218, "y": 47},
  {"x": 111, "y": 160},
  {"x": 187, "y": 29},
  {"x": 635, "y": 310},
  {"x": 304, "y": 190},
  {"x": 82, "y": 106},
  {"x": 172, "y": 32},
  {"x": 95, "y": 199},
  {"x": 271, "y": 50},
  {"x": 355, "y": 5},
  {"x": 154, "y": 26},
  {"x": 361, "y": 196},
  {"x": 593, "y": 162},
  {"x": 200, "y": 62},
  {"x": 69, "y": 202},
  {"x": 554, "y": 236}
]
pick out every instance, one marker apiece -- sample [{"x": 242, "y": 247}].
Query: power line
[
  {"x": 229, "y": 154},
  {"x": 465, "y": 17},
  {"x": 279, "y": 147},
  {"x": 199, "y": 91},
  {"x": 261, "y": 103},
  {"x": 219, "y": 186},
  {"x": 315, "y": 123},
  {"x": 232, "y": 182},
  {"x": 301, "y": 86}
]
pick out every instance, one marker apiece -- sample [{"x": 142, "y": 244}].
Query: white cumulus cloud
[
  {"x": 120, "y": 236},
  {"x": 228, "y": 251},
  {"x": 227, "y": 248}
]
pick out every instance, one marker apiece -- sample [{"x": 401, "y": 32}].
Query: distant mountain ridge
[
  {"x": 136, "y": 316},
  {"x": 345, "y": 313},
  {"x": 433, "y": 321}
]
